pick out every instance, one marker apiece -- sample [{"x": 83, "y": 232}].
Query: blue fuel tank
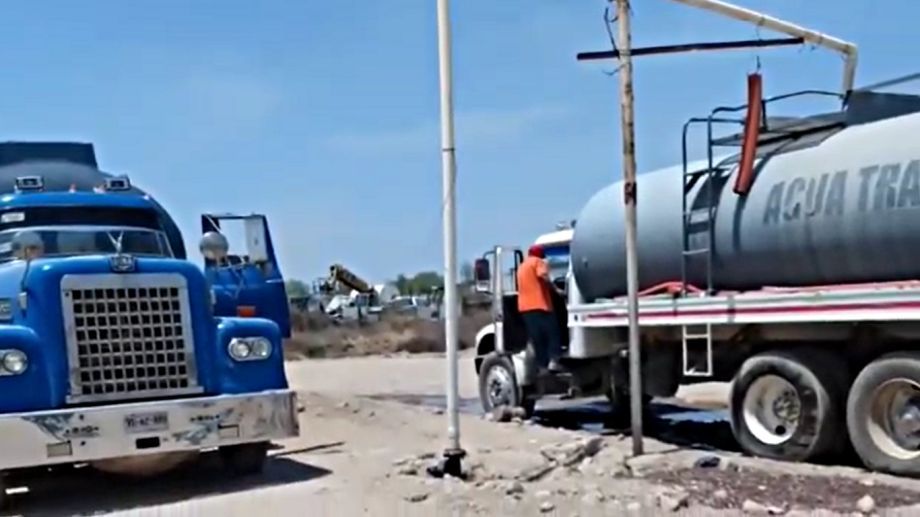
[
  {"x": 65, "y": 164},
  {"x": 843, "y": 207}
]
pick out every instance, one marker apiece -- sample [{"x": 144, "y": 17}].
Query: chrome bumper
[{"x": 104, "y": 432}]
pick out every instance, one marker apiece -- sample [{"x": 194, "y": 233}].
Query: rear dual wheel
[
  {"x": 789, "y": 405},
  {"x": 883, "y": 414}
]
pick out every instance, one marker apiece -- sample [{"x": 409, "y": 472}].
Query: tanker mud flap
[
  {"x": 99, "y": 433},
  {"x": 789, "y": 405}
]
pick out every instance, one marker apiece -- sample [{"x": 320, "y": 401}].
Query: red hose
[
  {"x": 751, "y": 134},
  {"x": 672, "y": 287}
]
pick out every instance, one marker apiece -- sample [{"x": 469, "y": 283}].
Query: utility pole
[
  {"x": 454, "y": 454},
  {"x": 627, "y": 118}
]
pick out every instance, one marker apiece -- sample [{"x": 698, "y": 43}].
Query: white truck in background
[{"x": 556, "y": 249}]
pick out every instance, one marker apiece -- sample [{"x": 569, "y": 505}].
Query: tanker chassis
[
  {"x": 115, "y": 350},
  {"x": 799, "y": 286}
]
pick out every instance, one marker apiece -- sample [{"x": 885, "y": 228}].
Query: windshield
[
  {"x": 557, "y": 258},
  {"x": 71, "y": 240}
]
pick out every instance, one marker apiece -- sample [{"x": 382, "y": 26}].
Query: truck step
[
  {"x": 572, "y": 393},
  {"x": 558, "y": 383},
  {"x": 696, "y": 349}
]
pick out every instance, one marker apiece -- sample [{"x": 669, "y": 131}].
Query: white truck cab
[
  {"x": 504, "y": 358},
  {"x": 556, "y": 248}
]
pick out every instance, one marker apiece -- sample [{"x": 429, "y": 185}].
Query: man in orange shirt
[{"x": 536, "y": 307}]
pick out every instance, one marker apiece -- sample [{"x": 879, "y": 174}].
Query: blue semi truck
[{"x": 115, "y": 350}]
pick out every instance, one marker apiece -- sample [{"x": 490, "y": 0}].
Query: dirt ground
[
  {"x": 371, "y": 426},
  {"x": 317, "y": 336}
]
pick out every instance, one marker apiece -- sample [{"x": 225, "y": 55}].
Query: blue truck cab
[{"x": 117, "y": 351}]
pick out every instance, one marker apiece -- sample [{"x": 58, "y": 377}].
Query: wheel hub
[
  {"x": 894, "y": 421},
  {"x": 499, "y": 387},
  {"x": 786, "y": 407},
  {"x": 772, "y": 409}
]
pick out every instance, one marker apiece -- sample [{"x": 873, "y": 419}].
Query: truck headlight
[
  {"x": 13, "y": 362},
  {"x": 261, "y": 348},
  {"x": 250, "y": 348}
]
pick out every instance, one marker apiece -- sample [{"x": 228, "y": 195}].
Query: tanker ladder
[
  {"x": 760, "y": 136},
  {"x": 699, "y": 221}
]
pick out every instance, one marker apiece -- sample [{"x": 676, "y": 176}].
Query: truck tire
[
  {"x": 498, "y": 385},
  {"x": 4, "y": 497},
  {"x": 246, "y": 459},
  {"x": 883, "y": 414},
  {"x": 789, "y": 405}
]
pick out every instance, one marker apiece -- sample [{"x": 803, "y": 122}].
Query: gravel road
[{"x": 364, "y": 452}]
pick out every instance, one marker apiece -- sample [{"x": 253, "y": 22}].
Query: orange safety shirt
[{"x": 533, "y": 292}]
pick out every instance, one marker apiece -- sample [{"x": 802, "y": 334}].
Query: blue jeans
[{"x": 543, "y": 331}]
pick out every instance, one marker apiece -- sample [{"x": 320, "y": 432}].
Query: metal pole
[
  {"x": 846, "y": 48},
  {"x": 454, "y": 452},
  {"x": 692, "y": 47},
  {"x": 629, "y": 197}
]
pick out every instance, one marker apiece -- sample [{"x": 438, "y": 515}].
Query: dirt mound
[{"x": 314, "y": 335}]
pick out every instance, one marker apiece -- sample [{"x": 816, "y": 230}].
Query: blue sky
[{"x": 324, "y": 115}]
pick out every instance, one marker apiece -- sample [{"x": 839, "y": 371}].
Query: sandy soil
[
  {"x": 415, "y": 377},
  {"x": 316, "y": 336},
  {"x": 367, "y": 456}
]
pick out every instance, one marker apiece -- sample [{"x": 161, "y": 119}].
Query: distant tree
[
  {"x": 420, "y": 283},
  {"x": 296, "y": 288},
  {"x": 402, "y": 283},
  {"x": 426, "y": 282},
  {"x": 466, "y": 273}
]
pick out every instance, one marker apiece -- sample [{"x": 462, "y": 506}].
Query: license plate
[{"x": 147, "y": 422}]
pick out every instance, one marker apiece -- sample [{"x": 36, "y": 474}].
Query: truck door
[
  {"x": 248, "y": 282},
  {"x": 513, "y": 328},
  {"x": 496, "y": 273}
]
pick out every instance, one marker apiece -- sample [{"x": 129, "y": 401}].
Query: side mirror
[
  {"x": 27, "y": 245},
  {"x": 482, "y": 273},
  {"x": 214, "y": 246}
]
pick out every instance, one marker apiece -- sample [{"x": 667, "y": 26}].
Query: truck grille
[{"x": 128, "y": 336}]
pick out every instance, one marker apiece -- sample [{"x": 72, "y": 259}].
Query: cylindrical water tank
[{"x": 846, "y": 210}]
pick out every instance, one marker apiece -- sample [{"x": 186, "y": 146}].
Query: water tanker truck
[
  {"x": 787, "y": 266},
  {"x": 115, "y": 350}
]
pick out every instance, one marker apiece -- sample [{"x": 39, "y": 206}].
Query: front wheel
[
  {"x": 498, "y": 385},
  {"x": 246, "y": 459},
  {"x": 883, "y": 414}
]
